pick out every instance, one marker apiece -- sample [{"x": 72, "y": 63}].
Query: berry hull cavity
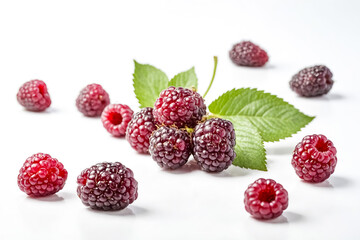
[
  {"x": 34, "y": 96},
  {"x": 314, "y": 158},
  {"x": 115, "y": 119},
  {"x": 265, "y": 199}
]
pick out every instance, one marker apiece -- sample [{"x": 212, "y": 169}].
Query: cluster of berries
[{"x": 309, "y": 82}]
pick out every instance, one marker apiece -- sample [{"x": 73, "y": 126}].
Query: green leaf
[
  {"x": 186, "y": 79},
  {"x": 249, "y": 148},
  {"x": 274, "y": 118},
  {"x": 148, "y": 83}
]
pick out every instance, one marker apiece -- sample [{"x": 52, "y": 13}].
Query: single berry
[
  {"x": 92, "y": 100},
  {"x": 265, "y": 199},
  {"x": 180, "y": 107},
  {"x": 34, "y": 96},
  {"x": 41, "y": 175},
  {"x": 116, "y": 118},
  {"x": 140, "y": 128},
  {"x": 107, "y": 186},
  {"x": 214, "y": 142},
  {"x": 314, "y": 158},
  {"x": 312, "y": 81},
  {"x": 170, "y": 147},
  {"x": 246, "y": 53}
]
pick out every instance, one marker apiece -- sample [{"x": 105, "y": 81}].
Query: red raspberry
[
  {"x": 214, "y": 142},
  {"x": 92, "y": 100},
  {"x": 312, "y": 81},
  {"x": 41, "y": 175},
  {"x": 34, "y": 96},
  {"x": 115, "y": 119},
  {"x": 246, "y": 53},
  {"x": 140, "y": 128},
  {"x": 180, "y": 107},
  {"x": 170, "y": 147},
  {"x": 265, "y": 199},
  {"x": 314, "y": 158},
  {"x": 107, "y": 186}
]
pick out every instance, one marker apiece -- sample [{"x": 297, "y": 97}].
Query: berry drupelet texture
[
  {"x": 213, "y": 144},
  {"x": 180, "y": 107},
  {"x": 314, "y": 158},
  {"x": 107, "y": 186},
  {"x": 41, "y": 175},
  {"x": 116, "y": 118},
  {"x": 246, "y": 53},
  {"x": 92, "y": 100},
  {"x": 312, "y": 81},
  {"x": 140, "y": 128},
  {"x": 265, "y": 199},
  {"x": 34, "y": 96},
  {"x": 170, "y": 147}
]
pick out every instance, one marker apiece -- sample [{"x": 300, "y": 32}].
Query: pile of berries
[{"x": 175, "y": 129}]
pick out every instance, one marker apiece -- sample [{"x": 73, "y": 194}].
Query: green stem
[{"x": 212, "y": 80}]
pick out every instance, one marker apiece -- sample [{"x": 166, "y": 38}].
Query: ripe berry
[
  {"x": 115, "y": 119},
  {"x": 214, "y": 142},
  {"x": 246, "y": 53},
  {"x": 34, "y": 96},
  {"x": 312, "y": 81},
  {"x": 92, "y": 100},
  {"x": 140, "y": 128},
  {"x": 180, "y": 107},
  {"x": 265, "y": 199},
  {"x": 107, "y": 186},
  {"x": 314, "y": 158},
  {"x": 170, "y": 147},
  {"x": 41, "y": 175}
]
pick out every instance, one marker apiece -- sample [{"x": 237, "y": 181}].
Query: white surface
[{"x": 69, "y": 44}]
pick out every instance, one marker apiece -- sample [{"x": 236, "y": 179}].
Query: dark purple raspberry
[
  {"x": 140, "y": 128},
  {"x": 170, "y": 147},
  {"x": 34, "y": 96},
  {"x": 180, "y": 107},
  {"x": 246, "y": 53},
  {"x": 41, "y": 175},
  {"x": 314, "y": 158},
  {"x": 214, "y": 142},
  {"x": 312, "y": 81},
  {"x": 107, "y": 186},
  {"x": 92, "y": 100},
  {"x": 116, "y": 118},
  {"x": 265, "y": 199}
]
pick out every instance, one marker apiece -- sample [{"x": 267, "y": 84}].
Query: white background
[{"x": 70, "y": 44}]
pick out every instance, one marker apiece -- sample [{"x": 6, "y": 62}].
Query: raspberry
[
  {"x": 41, "y": 175},
  {"x": 170, "y": 147},
  {"x": 140, "y": 128},
  {"x": 92, "y": 100},
  {"x": 314, "y": 158},
  {"x": 34, "y": 96},
  {"x": 265, "y": 199},
  {"x": 246, "y": 53},
  {"x": 214, "y": 142},
  {"x": 107, "y": 186},
  {"x": 179, "y": 107},
  {"x": 312, "y": 81},
  {"x": 115, "y": 119}
]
